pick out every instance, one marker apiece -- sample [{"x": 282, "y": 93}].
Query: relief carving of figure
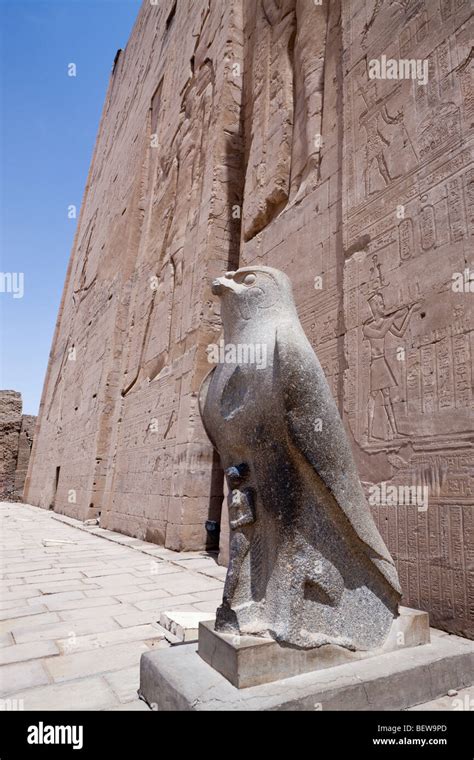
[
  {"x": 288, "y": 84},
  {"x": 377, "y": 143},
  {"x": 382, "y": 379}
]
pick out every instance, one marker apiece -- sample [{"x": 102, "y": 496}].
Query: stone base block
[
  {"x": 250, "y": 660},
  {"x": 179, "y": 679},
  {"x": 183, "y": 624}
]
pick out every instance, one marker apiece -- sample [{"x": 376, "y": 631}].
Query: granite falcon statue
[{"x": 307, "y": 564}]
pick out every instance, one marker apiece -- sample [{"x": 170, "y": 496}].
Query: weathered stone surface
[
  {"x": 184, "y": 625},
  {"x": 21, "y": 675},
  {"x": 249, "y": 661},
  {"x": 408, "y": 341},
  {"x": 179, "y": 679},
  {"x": 16, "y": 438},
  {"x": 120, "y": 435},
  {"x": 31, "y": 651},
  {"x": 307, "y": 564},
  {"x": 274, "y": 146},
  {"x": 10, "y": 425},
  {"x": 386, "y": 145},
  {"x": 89, "y": 642},
  {"x": 85, "y": 694},
  {"x": 25, "y": 444}
]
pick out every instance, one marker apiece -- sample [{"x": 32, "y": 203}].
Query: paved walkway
[{"x": 79, "y": 605}]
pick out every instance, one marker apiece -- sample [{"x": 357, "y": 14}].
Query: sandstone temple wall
[
  {"x": 248, "y": 131},
  {"x": 16, "y": 438},
  {"x": 408, "y": 185},
  {"x": 120, "y": 432}
]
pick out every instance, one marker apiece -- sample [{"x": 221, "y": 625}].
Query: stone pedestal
[
  {"x": 396, "y": 678},
  {"x": 179, "y": 679},
  {"x": 249, "y": 660}
]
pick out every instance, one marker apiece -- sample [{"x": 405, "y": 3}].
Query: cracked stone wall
[
  {"x": 16, "y": 438},
  {"x": 249, "y": 131}
]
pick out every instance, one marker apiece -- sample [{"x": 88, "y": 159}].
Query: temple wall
[
  {"x": 250, "y": 131},
  {"x": 16, "y": 437}
]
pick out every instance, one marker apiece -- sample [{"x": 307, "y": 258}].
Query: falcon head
[{"x": 252, "y": 292}]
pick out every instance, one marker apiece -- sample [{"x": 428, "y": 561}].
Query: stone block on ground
[
  {"x": 184, "y": 625},
  {"x": 251, "y": 660}
]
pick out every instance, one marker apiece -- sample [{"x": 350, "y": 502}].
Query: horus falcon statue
[{"x": 307, "y": 566}]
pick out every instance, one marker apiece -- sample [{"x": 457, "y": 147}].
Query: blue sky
[{"x": 48, "y": 124}]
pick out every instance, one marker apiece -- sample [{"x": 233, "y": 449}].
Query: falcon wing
[
  {"x": 202, "y": 396},
  {"x": 316, "y": 429}
]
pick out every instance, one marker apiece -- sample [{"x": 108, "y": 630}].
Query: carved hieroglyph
[
  {"x": 407, "y": 224},
  {"x": 307, "y": 564}
]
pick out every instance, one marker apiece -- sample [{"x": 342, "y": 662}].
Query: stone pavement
[{"x": 79, "y": 605}]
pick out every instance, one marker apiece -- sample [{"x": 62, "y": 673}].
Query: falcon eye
[{"x": 250, "y": 279}]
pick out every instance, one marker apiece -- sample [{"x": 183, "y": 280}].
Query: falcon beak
[
  {"x": 217, "y": 287},
  {"x": 221, "y": 284}
]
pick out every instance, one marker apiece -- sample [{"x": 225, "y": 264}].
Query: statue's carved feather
[{"x": 315, "y": 428}]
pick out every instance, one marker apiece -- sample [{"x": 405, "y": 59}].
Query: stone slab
[
  {"x": 147, "y": 633},
  {"x": 33, "y": 650},
  {"x": 178, "y": 679},
  {"x": 137, "y": 706},
  {"x": 250, "y": 660},
  {"x": 21, "y": 675},
  {"x": 86, "y": 694},
  {"x": 71, "y": 666},
  {"x": 185, "y": 625},
  {"x": 124, "y": 683}
]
